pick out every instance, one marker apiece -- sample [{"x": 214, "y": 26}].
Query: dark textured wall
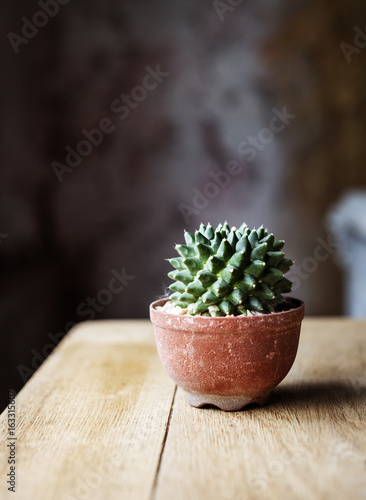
[{"x": 225, "y": 74}]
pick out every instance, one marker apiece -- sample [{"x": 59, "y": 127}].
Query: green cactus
[{"x": 235, "y": 270}]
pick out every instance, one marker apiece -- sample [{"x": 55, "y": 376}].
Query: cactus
[{"x": 228, "y": 271}]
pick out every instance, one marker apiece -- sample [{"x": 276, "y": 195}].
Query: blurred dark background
[{"x": 86, "y": 236}]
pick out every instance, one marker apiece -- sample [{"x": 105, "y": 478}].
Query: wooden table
[{"x": 101, "y": 420}]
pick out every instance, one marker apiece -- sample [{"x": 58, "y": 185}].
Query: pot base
[{"x": 225, "y": 403}]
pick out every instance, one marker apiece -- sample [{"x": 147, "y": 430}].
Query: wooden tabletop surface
[{"x": 101, "y": 420}]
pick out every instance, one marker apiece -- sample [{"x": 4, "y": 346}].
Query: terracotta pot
[{"x": 228, "y": 362}]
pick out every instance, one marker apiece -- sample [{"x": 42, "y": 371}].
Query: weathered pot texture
[{"x": 228, "y": 362}]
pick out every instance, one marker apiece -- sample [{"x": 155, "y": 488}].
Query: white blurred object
[{"x": 347, "y": 221}]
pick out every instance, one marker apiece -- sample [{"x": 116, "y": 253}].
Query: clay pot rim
[{"x": 297, "y": 308}]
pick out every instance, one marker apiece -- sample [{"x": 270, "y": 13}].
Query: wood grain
[
  {"x": 91, "y": 422},
  {"x": 309, "y": 443},
  {"x": 99, "y": 420}
]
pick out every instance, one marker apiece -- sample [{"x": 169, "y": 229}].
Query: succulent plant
[{"x": 229, "y": 271}]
